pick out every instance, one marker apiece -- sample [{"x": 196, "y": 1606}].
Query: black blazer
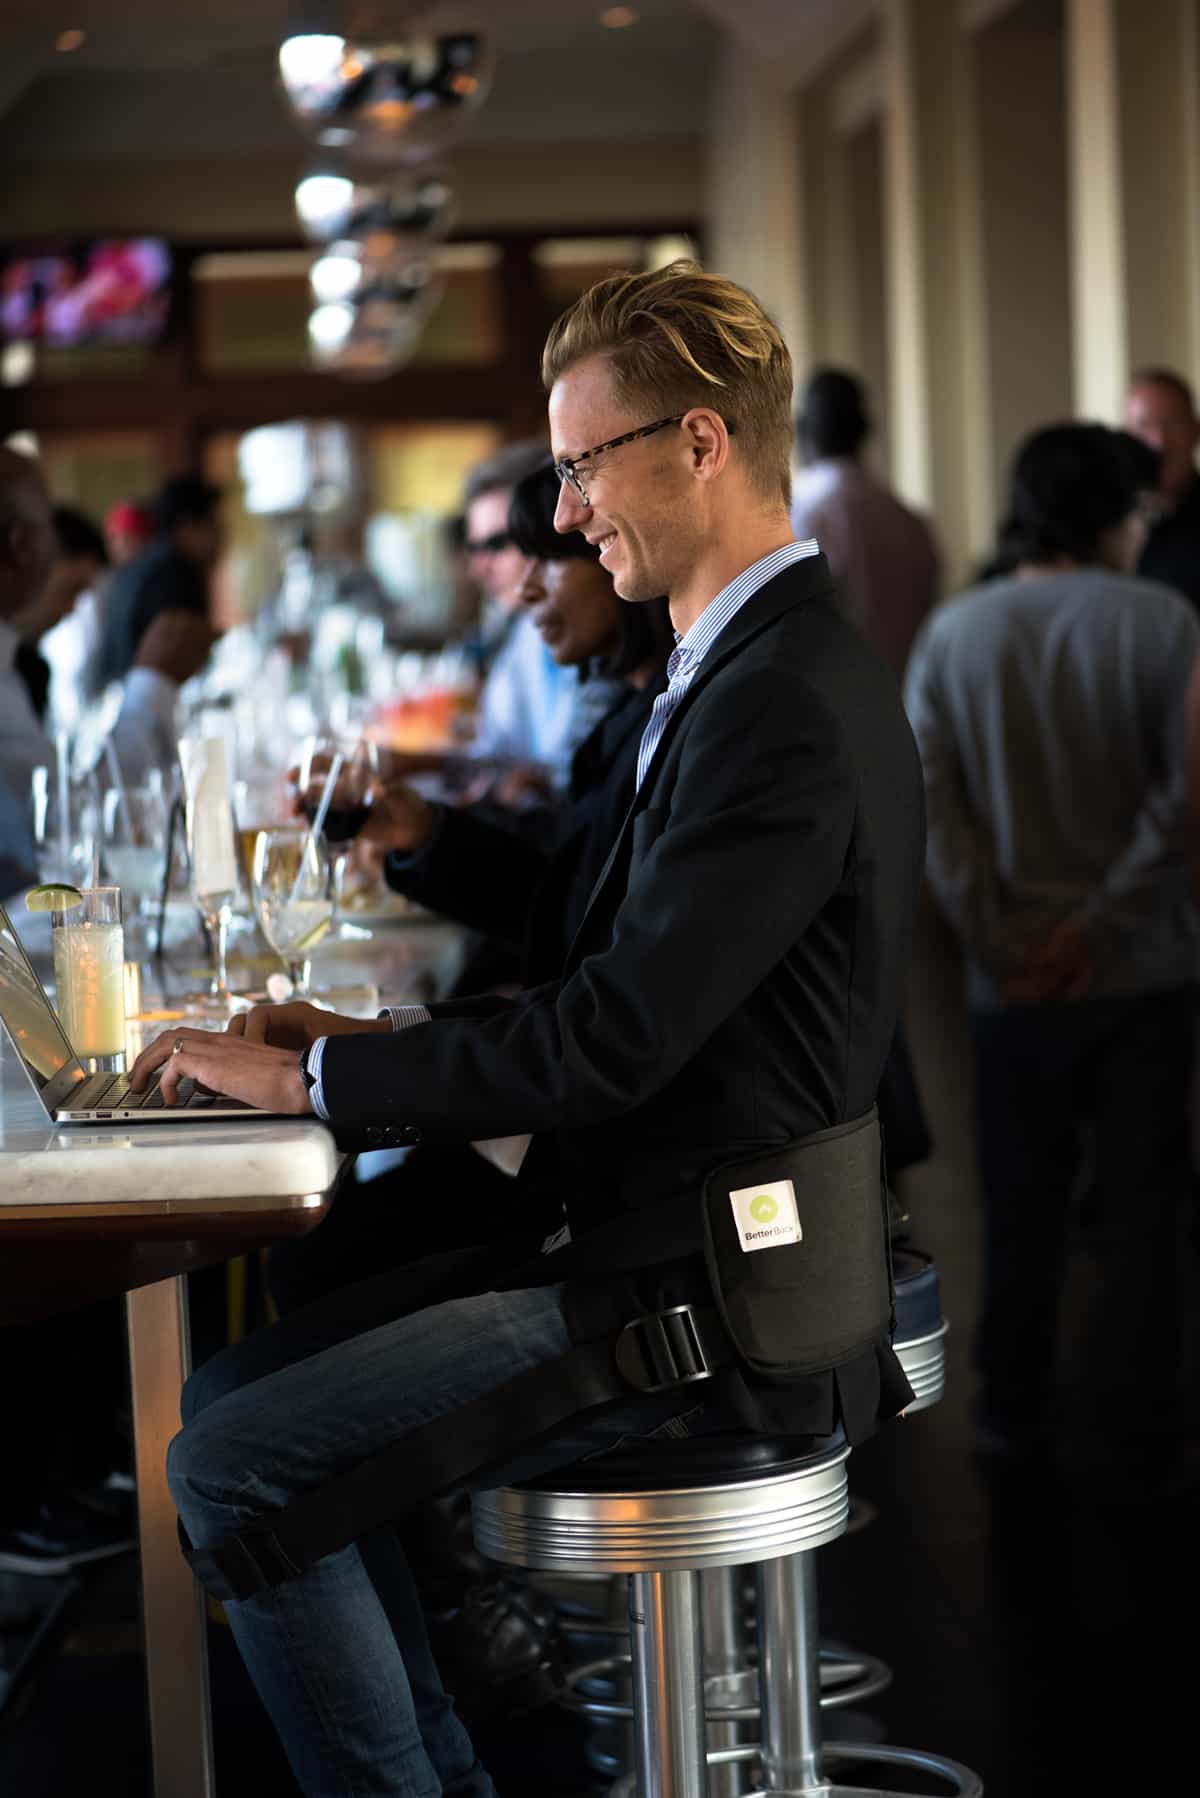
[
  {"x": 528, "y": 888},
  {"x": 737, "y": 976}
]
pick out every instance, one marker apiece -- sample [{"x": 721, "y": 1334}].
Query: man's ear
[{"x": 708, "y": 442}]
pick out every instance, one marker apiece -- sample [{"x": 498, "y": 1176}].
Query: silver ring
[{"x": 177, "y": 1046}]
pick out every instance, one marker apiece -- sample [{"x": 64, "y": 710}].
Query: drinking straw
[
  {"x": 318, "y": 823},
  {"x": 64, "y": 790}
]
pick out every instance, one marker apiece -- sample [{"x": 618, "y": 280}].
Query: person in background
[
  {"x": 531, "y": 711},
  {"x": 1050, "y": 709},
  {"x": 883, "y": 557},
  {"x": 172, "y": 575},
  {"x": 1161, "y": 410},
  {"x": 128, "y": 530},
  {"x": 54, "y": 645},
  {"x": 173, "y": 648}
]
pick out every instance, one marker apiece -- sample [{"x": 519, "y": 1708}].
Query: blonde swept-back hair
[{"x": 677, "y": 338}]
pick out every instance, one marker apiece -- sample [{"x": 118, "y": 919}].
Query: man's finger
[{"x": 160, "y": 1050}]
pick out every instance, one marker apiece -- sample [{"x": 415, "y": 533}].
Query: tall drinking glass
[
  {"x": 212, "y": 858},
  {"x": 66, "y": 825},
  {"x": 293, "y": 896},
  {"x": 89, "y": 977},
  {"x": 135, "y": 848}
]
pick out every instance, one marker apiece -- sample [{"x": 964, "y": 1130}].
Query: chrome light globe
[{"x": 393, "y": 99}]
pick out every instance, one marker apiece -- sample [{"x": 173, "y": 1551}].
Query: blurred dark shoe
[
  {"x": 65, "y": 1534},
  {"x": 496, "y": 1656}
]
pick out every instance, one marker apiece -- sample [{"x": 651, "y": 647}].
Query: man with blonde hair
[{"x": 721, "y": 1023}]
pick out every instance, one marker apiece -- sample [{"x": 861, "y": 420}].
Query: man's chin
[{"x": 636, "y": 590}]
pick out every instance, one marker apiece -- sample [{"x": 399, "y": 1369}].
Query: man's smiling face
[{"x": 639, "y": 506}]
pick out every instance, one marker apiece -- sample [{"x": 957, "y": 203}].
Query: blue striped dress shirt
[{"x": 691, "y": 649}]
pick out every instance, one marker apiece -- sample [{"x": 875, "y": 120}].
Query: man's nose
[{"x": 570, "y": 511}]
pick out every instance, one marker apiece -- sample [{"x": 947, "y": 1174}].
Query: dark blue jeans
[
  {"x": 339, "y": 1655},
  {"x": 1083, "y": 1107}
]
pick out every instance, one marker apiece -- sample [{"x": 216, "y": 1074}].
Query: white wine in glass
[{"x": 293, "y": 896}]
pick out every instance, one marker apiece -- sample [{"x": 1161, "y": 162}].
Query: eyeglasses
[
  {"x": 567, "y": 468},
  {"x": 487, "y": 546}
]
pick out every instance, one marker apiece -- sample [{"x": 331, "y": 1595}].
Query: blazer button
[{"x": 373, "y": 1133}]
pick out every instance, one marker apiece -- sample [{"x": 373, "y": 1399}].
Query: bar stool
[
  {"x": 848, "y": 1677},
  {"x": 662, "y": 1511}
]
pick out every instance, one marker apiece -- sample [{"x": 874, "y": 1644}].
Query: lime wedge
[{"x": 52, "y": 898}]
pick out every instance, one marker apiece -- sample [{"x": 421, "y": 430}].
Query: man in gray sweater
[{"x": 1051, "y": 709}]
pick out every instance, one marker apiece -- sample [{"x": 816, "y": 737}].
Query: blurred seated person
[
  {"x": 175, "y": 647},
  {"x": 532, "y": 712},
  {"x": 53, "y": 646},
  {"x": 882, "y": 556},
  {"x": 525, "y": 885},
  {"x": 172, "y": 575},
  {"x": 1160, "y": 409}
]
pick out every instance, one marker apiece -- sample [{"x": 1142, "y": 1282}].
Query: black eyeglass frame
[{"x": 566, "y": 467}]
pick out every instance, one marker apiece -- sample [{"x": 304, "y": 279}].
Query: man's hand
[
  {"x": 297, "y": 1025},
  {"x": 175, "y": 644},
  {"x": 1064, "y": 968},
  {"x": 262, "y": 1076},
  {"x": 398, "y": 820}
]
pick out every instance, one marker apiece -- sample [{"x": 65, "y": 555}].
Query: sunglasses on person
[{"x": 487, "y": 546}]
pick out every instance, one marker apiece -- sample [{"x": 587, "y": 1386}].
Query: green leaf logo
[{"x": 764, "y": 1209}]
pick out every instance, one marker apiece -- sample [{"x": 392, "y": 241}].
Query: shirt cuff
[
  {"x": 402, "y": 1017},
  {"x": 316, "y": 1094}
]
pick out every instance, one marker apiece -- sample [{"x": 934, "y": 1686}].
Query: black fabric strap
[{"x": 443, "y": 1453}]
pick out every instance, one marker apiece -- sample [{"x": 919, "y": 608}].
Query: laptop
[{"x": 68, "y": 1093}]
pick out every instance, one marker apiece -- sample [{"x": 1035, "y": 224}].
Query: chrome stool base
[
  {"x": 923, "y": 1359},
  {"x": 662, "y": 1539}
]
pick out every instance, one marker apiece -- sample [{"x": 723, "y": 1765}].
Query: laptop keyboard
[{"x": 110, "y": 1092}]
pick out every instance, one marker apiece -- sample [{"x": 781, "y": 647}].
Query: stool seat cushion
[
  {"x": 918, "y": 1301},
  {"x": 664, "y": 1462}
]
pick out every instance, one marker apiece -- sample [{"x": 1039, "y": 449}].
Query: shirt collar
[{"x": 691, "y": 649}]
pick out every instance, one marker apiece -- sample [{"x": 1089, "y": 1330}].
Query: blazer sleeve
[
  {"x": 725, "y": 878},
  {"x": 474, "y": 871}
]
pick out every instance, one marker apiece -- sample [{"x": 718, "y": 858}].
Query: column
[{"x": 938, "y": 411}]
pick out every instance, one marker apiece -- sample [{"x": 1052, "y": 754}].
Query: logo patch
[{"x": 766, "y": 1216}]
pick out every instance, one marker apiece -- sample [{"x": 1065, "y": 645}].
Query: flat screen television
[{"x": 104, "y": 290}]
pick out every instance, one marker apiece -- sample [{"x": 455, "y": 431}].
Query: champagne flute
[{"x": 293, "y": 896}]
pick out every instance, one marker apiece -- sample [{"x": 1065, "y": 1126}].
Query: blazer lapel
[{"x": 803, "y": 581}]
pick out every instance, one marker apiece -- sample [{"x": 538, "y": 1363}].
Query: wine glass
[
  {"x": 350, "y": 801},
  {"x": 135, "y": 847},
  {"x": 292, "y": 887}
]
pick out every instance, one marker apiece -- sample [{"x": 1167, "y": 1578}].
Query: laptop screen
[{"x": 28, "y": 1014}]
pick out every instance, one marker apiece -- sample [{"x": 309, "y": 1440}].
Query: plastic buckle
[{"x": 662, "y": 1350}]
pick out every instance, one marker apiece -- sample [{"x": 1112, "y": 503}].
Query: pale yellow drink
[{"x": 89, "y": 981}]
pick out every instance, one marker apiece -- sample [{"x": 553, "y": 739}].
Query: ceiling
[
  {"x": 183, "y": 85},
  {"x": 647, "y": 80}
]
